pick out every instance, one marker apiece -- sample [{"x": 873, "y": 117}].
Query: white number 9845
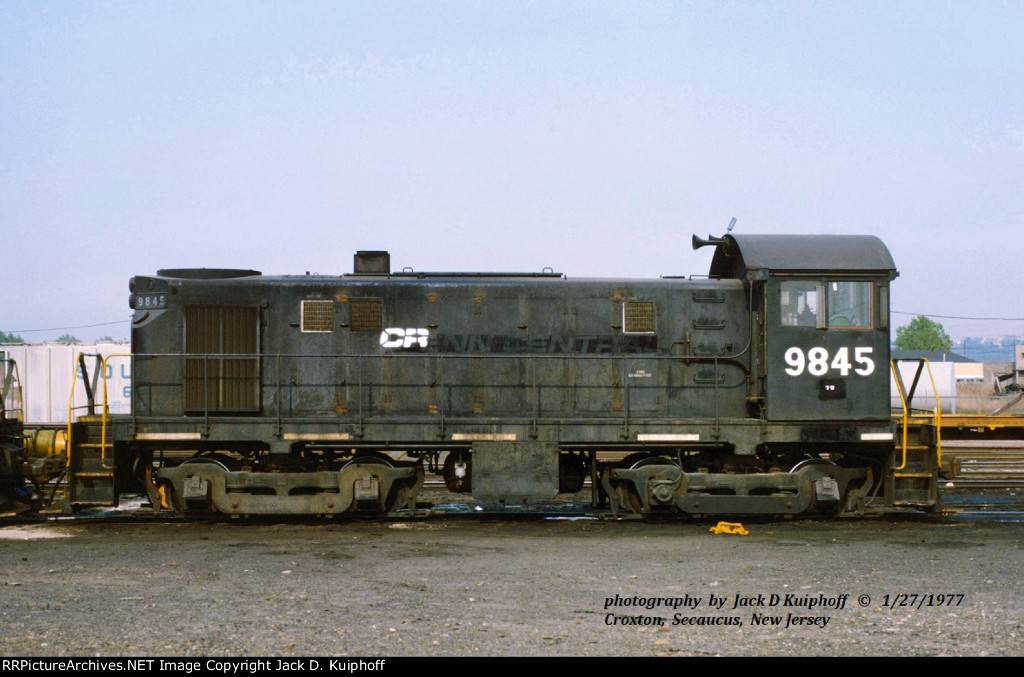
[{"x": 817, "y": 361}]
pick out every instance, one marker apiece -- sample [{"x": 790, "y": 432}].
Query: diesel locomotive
[{"x": 760, "y": 388}]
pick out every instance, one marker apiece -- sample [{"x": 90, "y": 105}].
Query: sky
[{"x": 593, "y": 138}]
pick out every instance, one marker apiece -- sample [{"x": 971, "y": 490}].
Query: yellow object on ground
[{"x": 729, "y": 528}]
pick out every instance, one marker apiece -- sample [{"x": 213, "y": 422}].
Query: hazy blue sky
[{"x": 590, "y": 137}]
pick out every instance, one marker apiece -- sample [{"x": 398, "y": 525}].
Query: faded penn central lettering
[{"x": 420, "y": 339}]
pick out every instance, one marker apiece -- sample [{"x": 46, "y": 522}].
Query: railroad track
[
  {"x": 984, "y": 464},
  {"x": 983, "y": 479},
  {"x": 978, "y": 477}
]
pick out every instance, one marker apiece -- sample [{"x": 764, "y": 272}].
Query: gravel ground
[{"x": 512, "y": 587}]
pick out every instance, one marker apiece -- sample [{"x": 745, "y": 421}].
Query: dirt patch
[{"x": 511, "y": 587}]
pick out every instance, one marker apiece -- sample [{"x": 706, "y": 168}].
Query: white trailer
[{"x": 48, "y": 371}]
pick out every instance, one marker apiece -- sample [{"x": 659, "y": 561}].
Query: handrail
[
  {"x": 90, "y": 405},
  {"x": 906, "y": 400},
  {"x": 276, "y": 367},
  {"x": 105, "y": 412},
  {"x": 12, "y": 378},
  {"x": 79, "y": 364}
]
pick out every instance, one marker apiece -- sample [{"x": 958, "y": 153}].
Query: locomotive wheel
[
  {"x": 858, "y": 492},
  {"x": 807, "y": 462},
  {"x": 633, "y": 499},
  {"x": 399, "y": 493},
  {"x": 654, "y": 460},
  {"x": 853, "y": 494},
  {"x": 214, "y": 459},
  {"x": 169, "y": 497},
  {"x": 370, "y": 458}
]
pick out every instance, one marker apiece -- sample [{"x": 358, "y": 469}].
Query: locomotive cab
[
  {"x": 823, "y": 308},
  {"x": 818, "y": 386},
  {"x": 827, "y": 347}
]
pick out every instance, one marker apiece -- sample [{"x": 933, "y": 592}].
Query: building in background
[{"x": 965, "y": 385}]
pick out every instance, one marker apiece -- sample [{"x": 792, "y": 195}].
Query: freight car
[{"x": 761, "y": 388}]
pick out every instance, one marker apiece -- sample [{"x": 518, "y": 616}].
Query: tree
[
  {"x": 922, "y": 334},
  {"x": 68, "y": 338},
  {"x": 10, "y": 338}
]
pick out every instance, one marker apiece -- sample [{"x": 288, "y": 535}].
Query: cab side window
[
  {"x": 800, "y": 303},
  {"x": 849, "y": 304},
  {"x": 834, "y": 304}
]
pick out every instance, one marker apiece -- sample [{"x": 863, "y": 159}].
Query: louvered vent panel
[
  {"x": 317, "y": 316},
  {"x": 224, "y": 374},
  {"x": 638, "y": 317},
  {"x": 367, "y": 315}
]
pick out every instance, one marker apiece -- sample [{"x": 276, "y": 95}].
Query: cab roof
[{"x": 758, "y": 256}]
